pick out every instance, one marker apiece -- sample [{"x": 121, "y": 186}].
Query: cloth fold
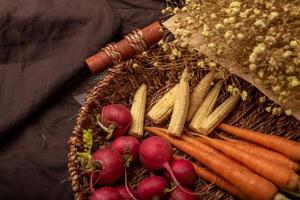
[{"x": 43, "y": 44}]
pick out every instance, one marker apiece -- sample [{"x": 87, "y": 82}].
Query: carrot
[
  {"x": 215, "y": 179},
  {"x": 281, "y": 176},
  {"x": 287, "y": 147},
  {"x": 200, "y": 144},
  {"x": 262, "y": 152},
  {"x": 245, "y": 180},
  {"x": 194, "y": 141}
]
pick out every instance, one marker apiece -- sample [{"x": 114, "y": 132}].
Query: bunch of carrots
[{"x": 254, "y": 166}]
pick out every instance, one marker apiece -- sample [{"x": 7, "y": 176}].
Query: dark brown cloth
[{"x": 43, "y": 44}]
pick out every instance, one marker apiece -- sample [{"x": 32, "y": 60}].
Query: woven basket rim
[{"x": 74, "y": 139}]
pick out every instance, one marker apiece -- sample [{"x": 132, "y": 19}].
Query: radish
[
  {"x": 184, "y": 172},
  {"x": 106, "y": 193},
  {"x": 123, "y": 192},
  {"x": 128, "y": 147},
  {"x": 156, "y": 153},
  {"x": 152, "y": 187},
  {"x": 115, "y": 120},
  {"x": 179, "y": 194},
  {"x": 110, "y": 166}
]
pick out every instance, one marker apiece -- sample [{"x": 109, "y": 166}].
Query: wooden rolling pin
[{"x": 126, "y": 48}]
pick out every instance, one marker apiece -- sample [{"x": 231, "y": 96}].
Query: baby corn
[
  {"x": 206, "y": 107},
  {"x": 138, "y": 111},
  {"x": 163, "y": 108},
  {"x": 199, "y": 94},
  {"x": 208, "y": 125},
  {"x": 181, "y": 105}
]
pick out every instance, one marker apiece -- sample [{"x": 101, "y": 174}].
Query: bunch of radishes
[{"x": 154, "y": 153}]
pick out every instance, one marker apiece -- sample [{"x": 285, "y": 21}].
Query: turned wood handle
[{"x": 101, "y": 61}]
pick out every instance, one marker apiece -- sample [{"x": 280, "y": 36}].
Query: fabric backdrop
[{"x": 43, "y": 44}]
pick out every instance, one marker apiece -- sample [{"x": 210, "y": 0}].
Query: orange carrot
[
  {"x": 215, "y": 179},
  {"x": 287, "y": 147},
  {"x": 245, "y": 180},
  {"x": 202, "y": 145},
  {"x": 262, "y": 152},
  {"x": 281, "y": 176},
  {"x": 192, "y": 140}
]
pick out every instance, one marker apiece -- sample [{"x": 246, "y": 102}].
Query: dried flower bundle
[{"x": 262, "y": 37}]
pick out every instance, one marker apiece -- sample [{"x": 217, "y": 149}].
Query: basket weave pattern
[{"x": 120, "y": 85}]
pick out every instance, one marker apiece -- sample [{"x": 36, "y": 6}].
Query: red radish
[
  {"x": 179, "y": 194},
  {"x": 128, "y": 147},
  {"x": 156, "y": 153},
  {"x": 152, "y": 187},
  {"x": 111, "y": 166},
  {"x": 123, "y": 192},
  {"x": 106, "y": 193},
  {"x": 115, "y": 120},
  {"x": 184, "y": 172}
]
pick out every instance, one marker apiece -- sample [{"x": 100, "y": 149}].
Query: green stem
[
  {"x": 155, "y": 198},
  {"x": 173, "y": 187},
  {"x": 100, "y": 124},
  {"x": 128, "y": 159},
  {"x": 109, "y": 130}
]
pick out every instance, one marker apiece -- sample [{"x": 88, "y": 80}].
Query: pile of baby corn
[{"x": 196, "y": 108}]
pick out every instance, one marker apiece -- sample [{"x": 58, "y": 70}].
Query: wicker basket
[{"x": 120, "y": 85}]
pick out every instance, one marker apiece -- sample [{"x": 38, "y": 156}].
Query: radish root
[
  {"x": 126, "y": 184},
  {"x": 91, "y": 181},
  {"x": 169, "y": 169}
]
